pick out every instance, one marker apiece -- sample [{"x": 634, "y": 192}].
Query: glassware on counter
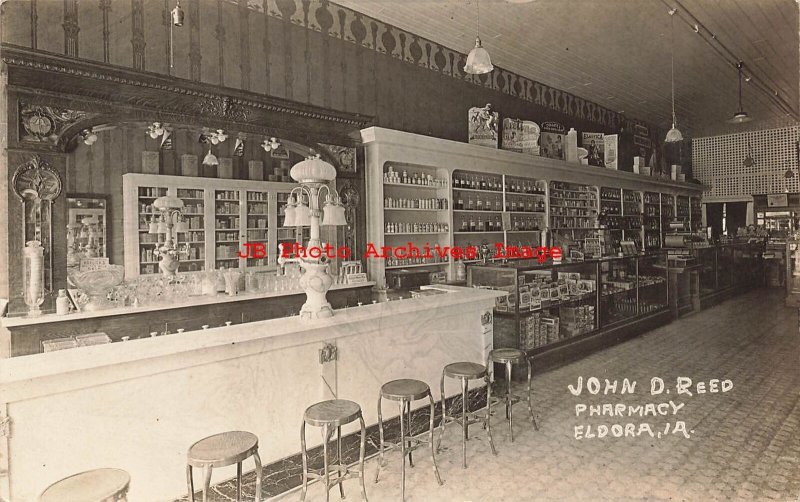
[{"x": 34, "y": 277}]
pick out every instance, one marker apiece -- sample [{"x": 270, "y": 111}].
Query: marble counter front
[{"x": 138, "y": 405}]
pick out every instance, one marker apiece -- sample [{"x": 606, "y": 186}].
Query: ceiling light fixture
[
  {"x": 177, "y": 20},
  {"x": 673, "y": 135},
  {"x": 741, "y": 116},
  {"x": 478, "y": 60}
]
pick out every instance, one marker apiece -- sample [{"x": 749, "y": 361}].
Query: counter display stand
[{"x": 559, "y": 312}]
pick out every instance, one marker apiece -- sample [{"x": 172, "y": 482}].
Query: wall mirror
[{"x": 87, "y": 230}]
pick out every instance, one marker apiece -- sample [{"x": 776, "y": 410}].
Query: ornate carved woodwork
[
  {"x": 46, "y": 124},
  {"x": 54, "y": 87}
]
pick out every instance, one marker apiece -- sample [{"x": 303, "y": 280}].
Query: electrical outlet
[{"x": 328, "y": 353}]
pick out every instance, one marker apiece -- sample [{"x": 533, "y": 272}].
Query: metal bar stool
[
  {"x": 221, "y": 450},
  {"x": 509, "y": 357},
  {"x": 466, "y": 371},
  {"x": 330, "y": 414},
  {"x": 404, "y": 391},
  {"x": 98, "y": 485}
]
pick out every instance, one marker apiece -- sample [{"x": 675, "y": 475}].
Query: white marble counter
[
  {"x": 189, "y": 301},
  {"x": 138, "y": 405}
]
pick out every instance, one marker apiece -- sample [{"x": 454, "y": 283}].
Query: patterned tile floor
[{"x": 745, "y": 443}]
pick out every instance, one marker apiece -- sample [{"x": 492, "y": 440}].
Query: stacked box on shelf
[
  {"x": 576, "y": 320},
  {"x": 538, "y": 330}
]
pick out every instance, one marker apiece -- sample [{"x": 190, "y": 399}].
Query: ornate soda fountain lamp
[
  {"x": 303, "y": 210},
  {"x": 168, "y": 223}
]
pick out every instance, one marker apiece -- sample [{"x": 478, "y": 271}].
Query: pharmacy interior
[{"x": 167, "y": 192}]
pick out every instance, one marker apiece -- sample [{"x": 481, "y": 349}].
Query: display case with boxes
[{"x": 554, "y": 306}]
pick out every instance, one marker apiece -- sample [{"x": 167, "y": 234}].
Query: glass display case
[
  {"x": 551, "y": 305},
  {"x": 724, "y": 266},
  {"x": 793, "y": 273}
]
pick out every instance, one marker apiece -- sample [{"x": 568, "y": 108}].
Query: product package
[
  {"x": 483, "y": 126},
  {"x": 552, "y": 140},
  {"x": 512, "y": 135},
  {"x": 595, "y": 146},
  {"x": 611, "y": 153},
  {"x": 530, "y": 137}
]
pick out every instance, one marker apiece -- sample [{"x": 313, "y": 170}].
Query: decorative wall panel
[
  {"x": 718, "y": 161},
  {"x": 314, "y": 51}
]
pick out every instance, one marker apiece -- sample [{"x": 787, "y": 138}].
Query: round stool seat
[
  {"x": 467, "y": 370},
  {"x": 404, "y": 389},
  {"x": 507, "y": 355},
  {"x": 335, "y": 412},
  {"x": 223, "y": 449},
  {"x": 91, "y": 486}
]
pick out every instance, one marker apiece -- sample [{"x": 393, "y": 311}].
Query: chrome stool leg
[
  {"x": 464, "y": 425},
  {"x": 408, "y": 425},
  {"x": 402, "y": 452},
  {"x": 238, "y": 481},
  {"x": 325, "y": 439},
  {"x": 257, "y": 460},
  {"x": 444, "y": 413},
  {"x": 433, "y": 449},
  {"x": 339, "y": 459},
  {"x": 530, "y": 405},
  {"x": 380, "y": 447},
  {"x": 190, "y": 482},
  {"x": 488, "y": 422},
  {"x": 304, "y": 455},
  {"x": 509, "y": 403},
  {"x": 206, "y": 482},
  {"x": 362, "y": 450}
]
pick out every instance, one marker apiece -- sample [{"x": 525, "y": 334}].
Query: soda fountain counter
[
  {"x": 24, "y": 335},
  {"x": 138, "y": 405}
]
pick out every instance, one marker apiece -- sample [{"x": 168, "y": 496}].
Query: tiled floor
[{"x": 745, "y": 443}]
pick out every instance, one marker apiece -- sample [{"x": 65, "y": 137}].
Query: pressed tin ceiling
[{"x": 617, "y": 52}]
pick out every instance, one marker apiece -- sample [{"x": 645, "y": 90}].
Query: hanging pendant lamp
[
  {"x": 741, "y": 116},
  {"x": 478, "y": 60},
  {"x": 673, "y": 135}
]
